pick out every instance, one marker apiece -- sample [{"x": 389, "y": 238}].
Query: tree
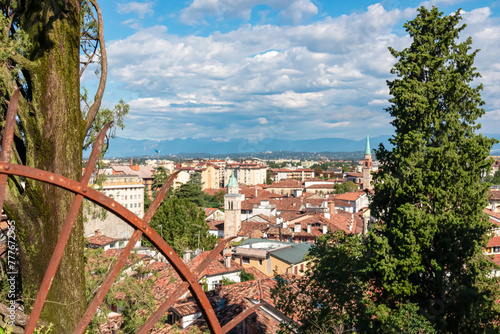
[
  {"x": 328, "y": 298},
  {"x": 318, "y": 171},
  {"x": 346, "y": 187},
  {"x": 429, "y": 196},
  {"x": 182, "y": 225},
  {"x": 39, "y": 52}
]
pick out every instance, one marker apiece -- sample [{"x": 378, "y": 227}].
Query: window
[
  {"x": 260, "y": 262},
  {"x": 126, "y": 206},
  {"x": 246, "y": 260}
]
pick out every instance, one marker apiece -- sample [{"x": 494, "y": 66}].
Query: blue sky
[{"x": 286, "y": 69}]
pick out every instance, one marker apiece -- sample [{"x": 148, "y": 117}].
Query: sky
[{"x": 265, "y": 69}]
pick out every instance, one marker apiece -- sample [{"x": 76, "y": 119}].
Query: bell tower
[
  {"x": 367, "y": 165},
  {"x": 232, "y": 209}
]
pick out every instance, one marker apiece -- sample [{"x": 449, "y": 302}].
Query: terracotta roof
[
  {"x": 252, "y": 229},
  {"x": 322, "y": 186},
  {"x": 100, "y": 240},
  {"x": 216, "y": 266},
  {"x": 494, "y": 242},
  {"x": 494, "y": 216},
  {"x": 493, "y": 195},
  {"x": 339, "y": 202},
  {"x": 494, "y": 257},
  {"x": 353, "y": 196},
  {"x": 209, "y": 211},
  {"x": 231, "y": 300},
  {"x": 145, "y": 172},
  {"x": 216, "y": 225},
  {"x": 355, "y": 174},
  {"x": 286, "y": 184}
]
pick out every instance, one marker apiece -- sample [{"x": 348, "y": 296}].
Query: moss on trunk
[{"x": 53, "y": 139}]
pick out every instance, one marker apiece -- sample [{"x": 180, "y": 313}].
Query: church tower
[
  {"x": 232, "y": 209},
  {"x": 367, "y": 165}
]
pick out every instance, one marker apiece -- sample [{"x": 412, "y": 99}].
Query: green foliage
[
  {"x": 181, "y": 222},
  {"x": 429, "y": 193},
  {"x": 227, "y": 281},
  {"x": 244, "y": 276},
  {"x": 329, "y": 297},
  {"x": 132, "y": 290},
  {"x": 346, "y": 187},
  {"x": 193, "y": 193},
  {"x": 104, "y": 115},
  {"x": 269, "y": 173}
]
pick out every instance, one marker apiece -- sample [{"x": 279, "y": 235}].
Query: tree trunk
[{"x": 53, "y": 138}]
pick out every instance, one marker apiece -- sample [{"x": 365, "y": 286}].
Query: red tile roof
[
  {"x": 493, "y": 195},
  {"x": 216, "y": 225},
  {"x": 353, "y": 196},
  {"x": 494, "y": 242},
  {"x": 286, "y": 184},
  {"x": 100, "y": 240},
  {"x": 252, "y": 229}
]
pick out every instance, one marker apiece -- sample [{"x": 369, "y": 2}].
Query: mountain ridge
[{"x": 124, "y": 147}]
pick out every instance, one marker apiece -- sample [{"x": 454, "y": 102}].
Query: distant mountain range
[{"x": 123, "y": 147}]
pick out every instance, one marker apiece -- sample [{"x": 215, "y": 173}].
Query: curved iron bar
[{"x": 130, "y": 218}]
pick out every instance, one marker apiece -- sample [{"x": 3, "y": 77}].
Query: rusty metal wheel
[{"x": 141, "y": 226}]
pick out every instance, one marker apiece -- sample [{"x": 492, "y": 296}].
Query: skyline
[{"x": 297, "y": 69}]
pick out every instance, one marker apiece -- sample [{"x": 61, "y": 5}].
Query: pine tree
[{"x": 428, "y": 194}]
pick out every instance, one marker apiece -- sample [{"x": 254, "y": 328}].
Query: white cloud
[
  {"x": 262, "y": 120},
  {"x": 323, "y": 79},
  {"x": 295, "y": 11},
  {"x": 140, "y": 8}
]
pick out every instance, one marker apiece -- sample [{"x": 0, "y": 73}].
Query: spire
[
  {"x": 367, "y": 146},
  {"x": 232, "y": 183}
]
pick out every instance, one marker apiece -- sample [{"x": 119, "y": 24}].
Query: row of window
[{"x": 133, "y": 205}]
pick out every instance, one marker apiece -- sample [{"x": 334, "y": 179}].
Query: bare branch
[{"x": 89, "y": 119}]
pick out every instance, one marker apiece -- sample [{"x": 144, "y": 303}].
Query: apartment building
[{"x": 246, "y": 173}]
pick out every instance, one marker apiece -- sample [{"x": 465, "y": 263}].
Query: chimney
[
  {"x": 297, "y": 228},
  {"x": 98, "y": 232},
  {"x": 325, "y": 229},
  {"x": 227, "y": 258},
  {"x": 131, "y": 162},
  {"x": 331, "y": 206},
  {"x": 308, "y": 228}
]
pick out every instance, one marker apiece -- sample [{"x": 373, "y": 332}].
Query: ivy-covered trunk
[{"x": 50, "y": 138}]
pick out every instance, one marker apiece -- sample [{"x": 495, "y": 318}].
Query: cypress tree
[{"x": 429, "y": 196}]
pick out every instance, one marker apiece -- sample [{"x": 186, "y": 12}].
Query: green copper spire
[
  {"x": 232, "y": 182},
  {"x": 367, "y": 146}
]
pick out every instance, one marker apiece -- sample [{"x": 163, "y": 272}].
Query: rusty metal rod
[
  {"x": 130, "y": 218},
  {"x": 64, "y": 236},
  {"x": 8, "y": 138}
]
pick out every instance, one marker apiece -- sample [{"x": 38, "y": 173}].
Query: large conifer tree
[{"x": 428, "y": 194}]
